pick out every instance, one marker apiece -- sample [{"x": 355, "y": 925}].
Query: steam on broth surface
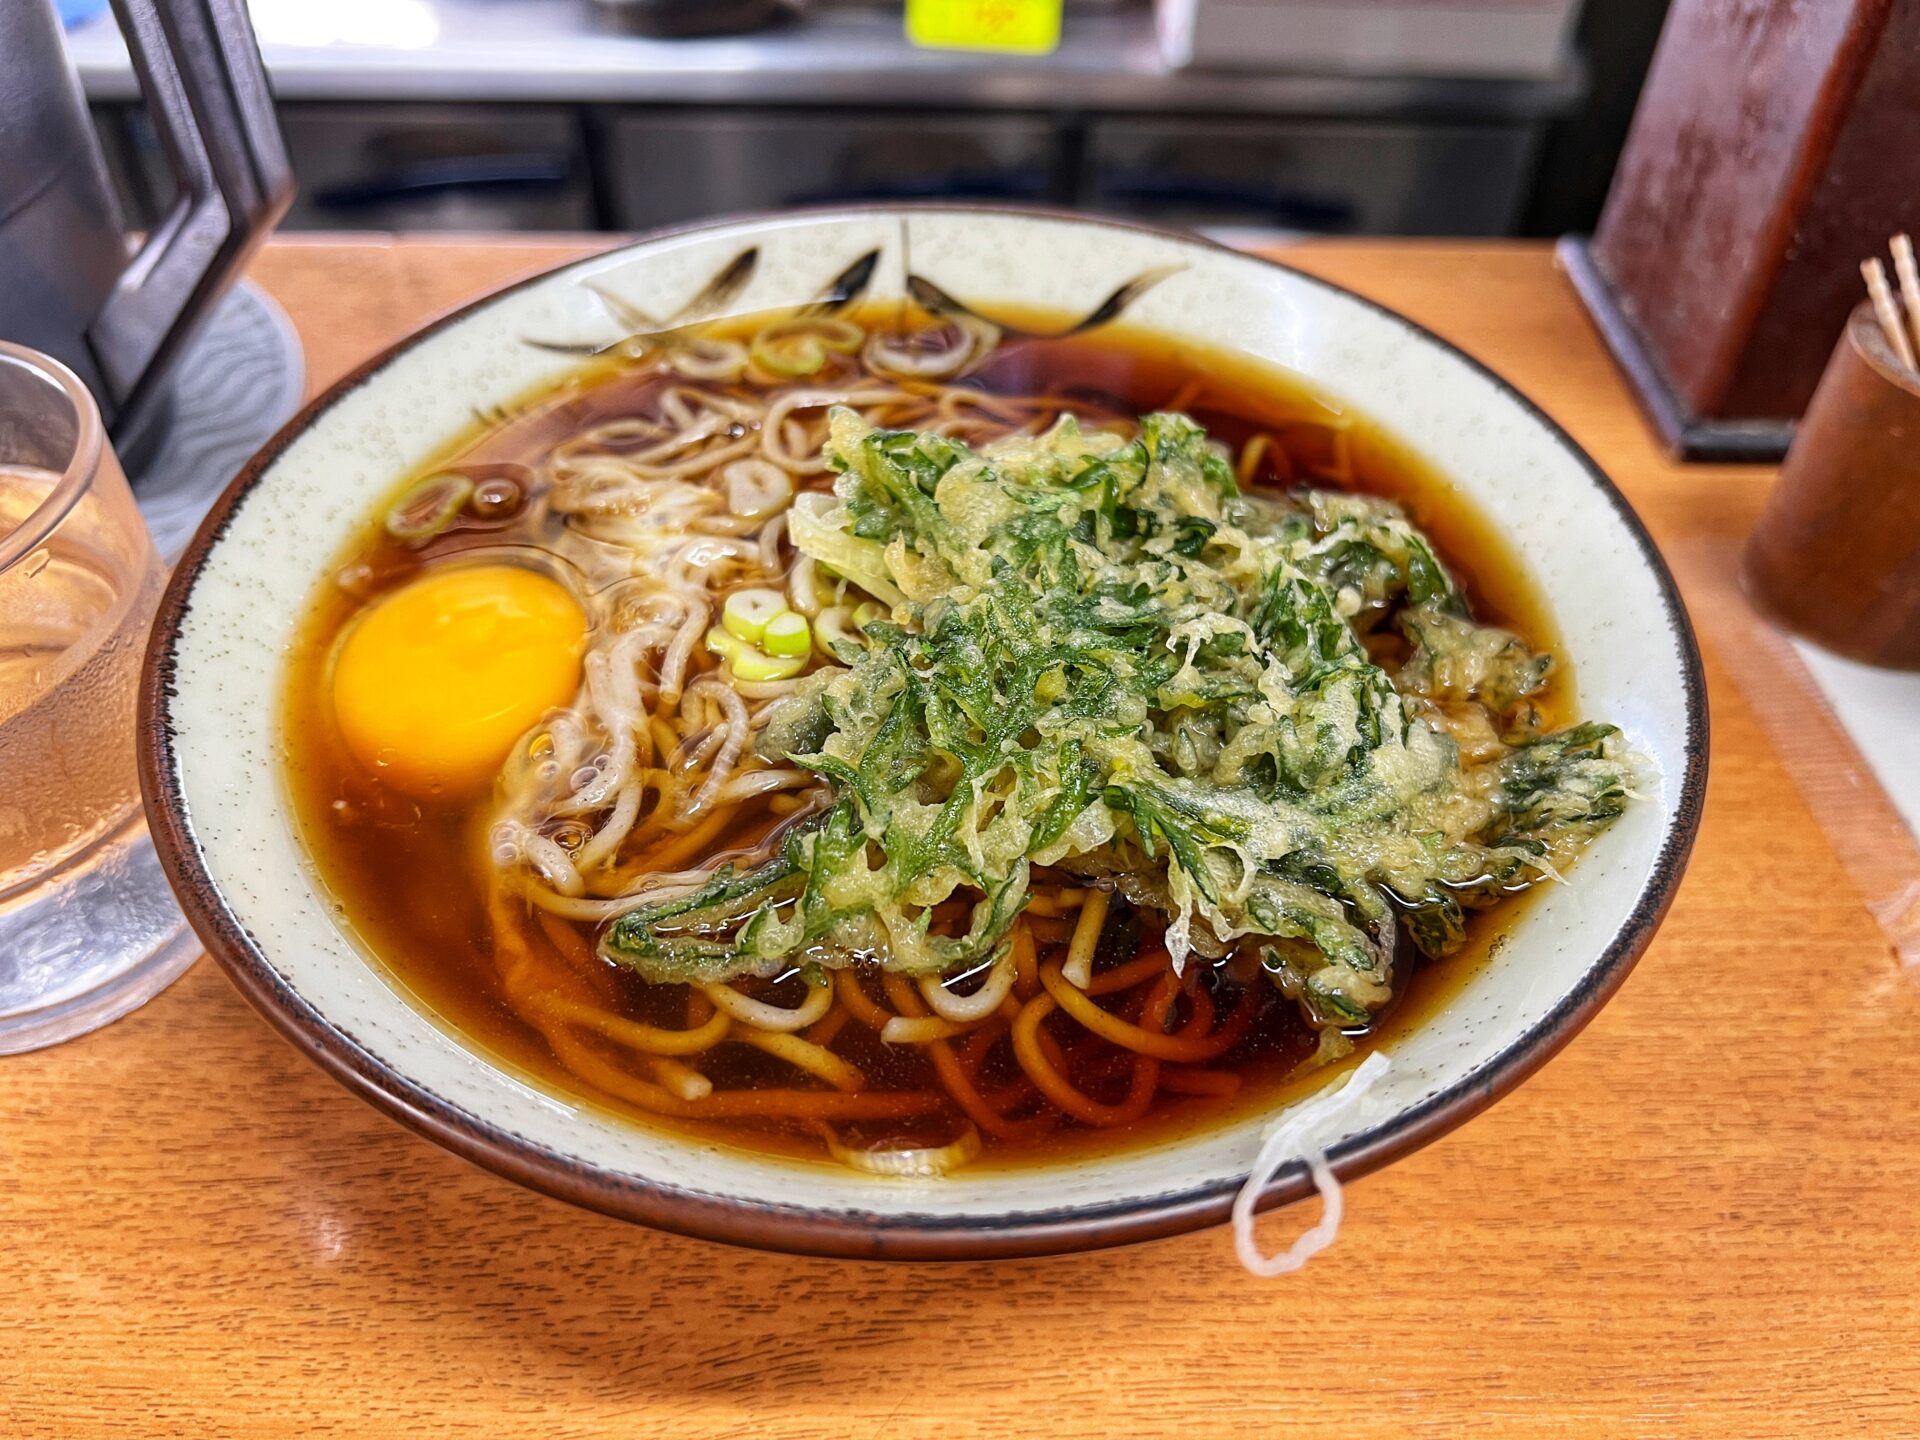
[{"x": 965, "y": 741}]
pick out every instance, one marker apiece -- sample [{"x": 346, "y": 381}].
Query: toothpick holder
[{"x": 1836, "y": 555}]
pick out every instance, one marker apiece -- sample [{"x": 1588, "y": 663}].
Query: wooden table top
[{"x": 1698, "y": 1220}]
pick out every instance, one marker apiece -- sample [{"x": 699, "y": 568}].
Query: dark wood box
[{"x": 1776, "y": 144}]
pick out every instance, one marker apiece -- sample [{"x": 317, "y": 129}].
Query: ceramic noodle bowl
[{"x": 219, "y": 803}]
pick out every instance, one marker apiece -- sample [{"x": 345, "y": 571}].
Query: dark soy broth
[{"x": 409, "y": 878}]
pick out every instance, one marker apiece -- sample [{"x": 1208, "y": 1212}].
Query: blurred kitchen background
[{"x": 1244, "y": 117}]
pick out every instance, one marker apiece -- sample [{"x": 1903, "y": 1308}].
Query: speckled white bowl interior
[{"x": 220, "y": 807}]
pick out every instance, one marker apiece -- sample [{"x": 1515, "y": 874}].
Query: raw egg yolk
[{"x": 436, "y": 681}]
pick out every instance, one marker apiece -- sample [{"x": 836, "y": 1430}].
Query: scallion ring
[
  {"x": 937, "y": 352},
  {"x": 912, "y": 1163},
  {"x": 429, "y": 507},
  {"x": 756, "y": 488},
  {"x": 746, "y": 612},
  {"x": 787, "y": 634},
  {"x": 700, "y": 357},
  {"x": 792, "y": 348},
  {"x": 749, "y": 663}
]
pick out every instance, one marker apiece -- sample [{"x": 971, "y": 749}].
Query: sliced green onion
[
  {"x": 938, "y": 352},
  {"x": 754, "y": 667},
  {"x": 791, "y": 348},
  {"x": 747, "y": 612},
  {"x": 830, "y": 627},
  {"x": 841, "y": 336},
  {"x": 756, "y": 488},
  {"x": 914, "y": 1163},
  {"x": 429, "y": 507},
  {"x": 702, "y": 358},
  {"x": 838, "y": 629},
  {"x": 787, "y": 634},
  {"x": 749, "y": 663}
]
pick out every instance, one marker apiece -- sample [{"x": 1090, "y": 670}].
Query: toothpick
[
  {"x": 1909, "y": 274},
  {"x": 1875, "y": 274}
]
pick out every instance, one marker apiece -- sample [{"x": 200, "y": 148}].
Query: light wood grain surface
[{"x": 1700, "y": 1219}]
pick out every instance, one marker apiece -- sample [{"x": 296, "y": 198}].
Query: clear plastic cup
[{"x": 88, "y": 927}]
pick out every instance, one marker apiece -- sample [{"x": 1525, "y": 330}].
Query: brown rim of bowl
[{"x": 804, "y": 1230}]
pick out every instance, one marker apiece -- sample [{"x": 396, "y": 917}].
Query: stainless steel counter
[{"x": 557, "y": 50}]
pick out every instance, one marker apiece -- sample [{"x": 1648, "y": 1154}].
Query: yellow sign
[{"x": 1019, "y": 27}]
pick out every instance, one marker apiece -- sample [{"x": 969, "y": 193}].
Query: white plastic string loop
[{"x": 1299, "y": 1137}]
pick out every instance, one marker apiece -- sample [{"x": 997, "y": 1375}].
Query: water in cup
[{"x": 73, "y": 621}]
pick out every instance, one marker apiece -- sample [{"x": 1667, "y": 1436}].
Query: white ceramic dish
[{"x": 216, "y": 799}]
